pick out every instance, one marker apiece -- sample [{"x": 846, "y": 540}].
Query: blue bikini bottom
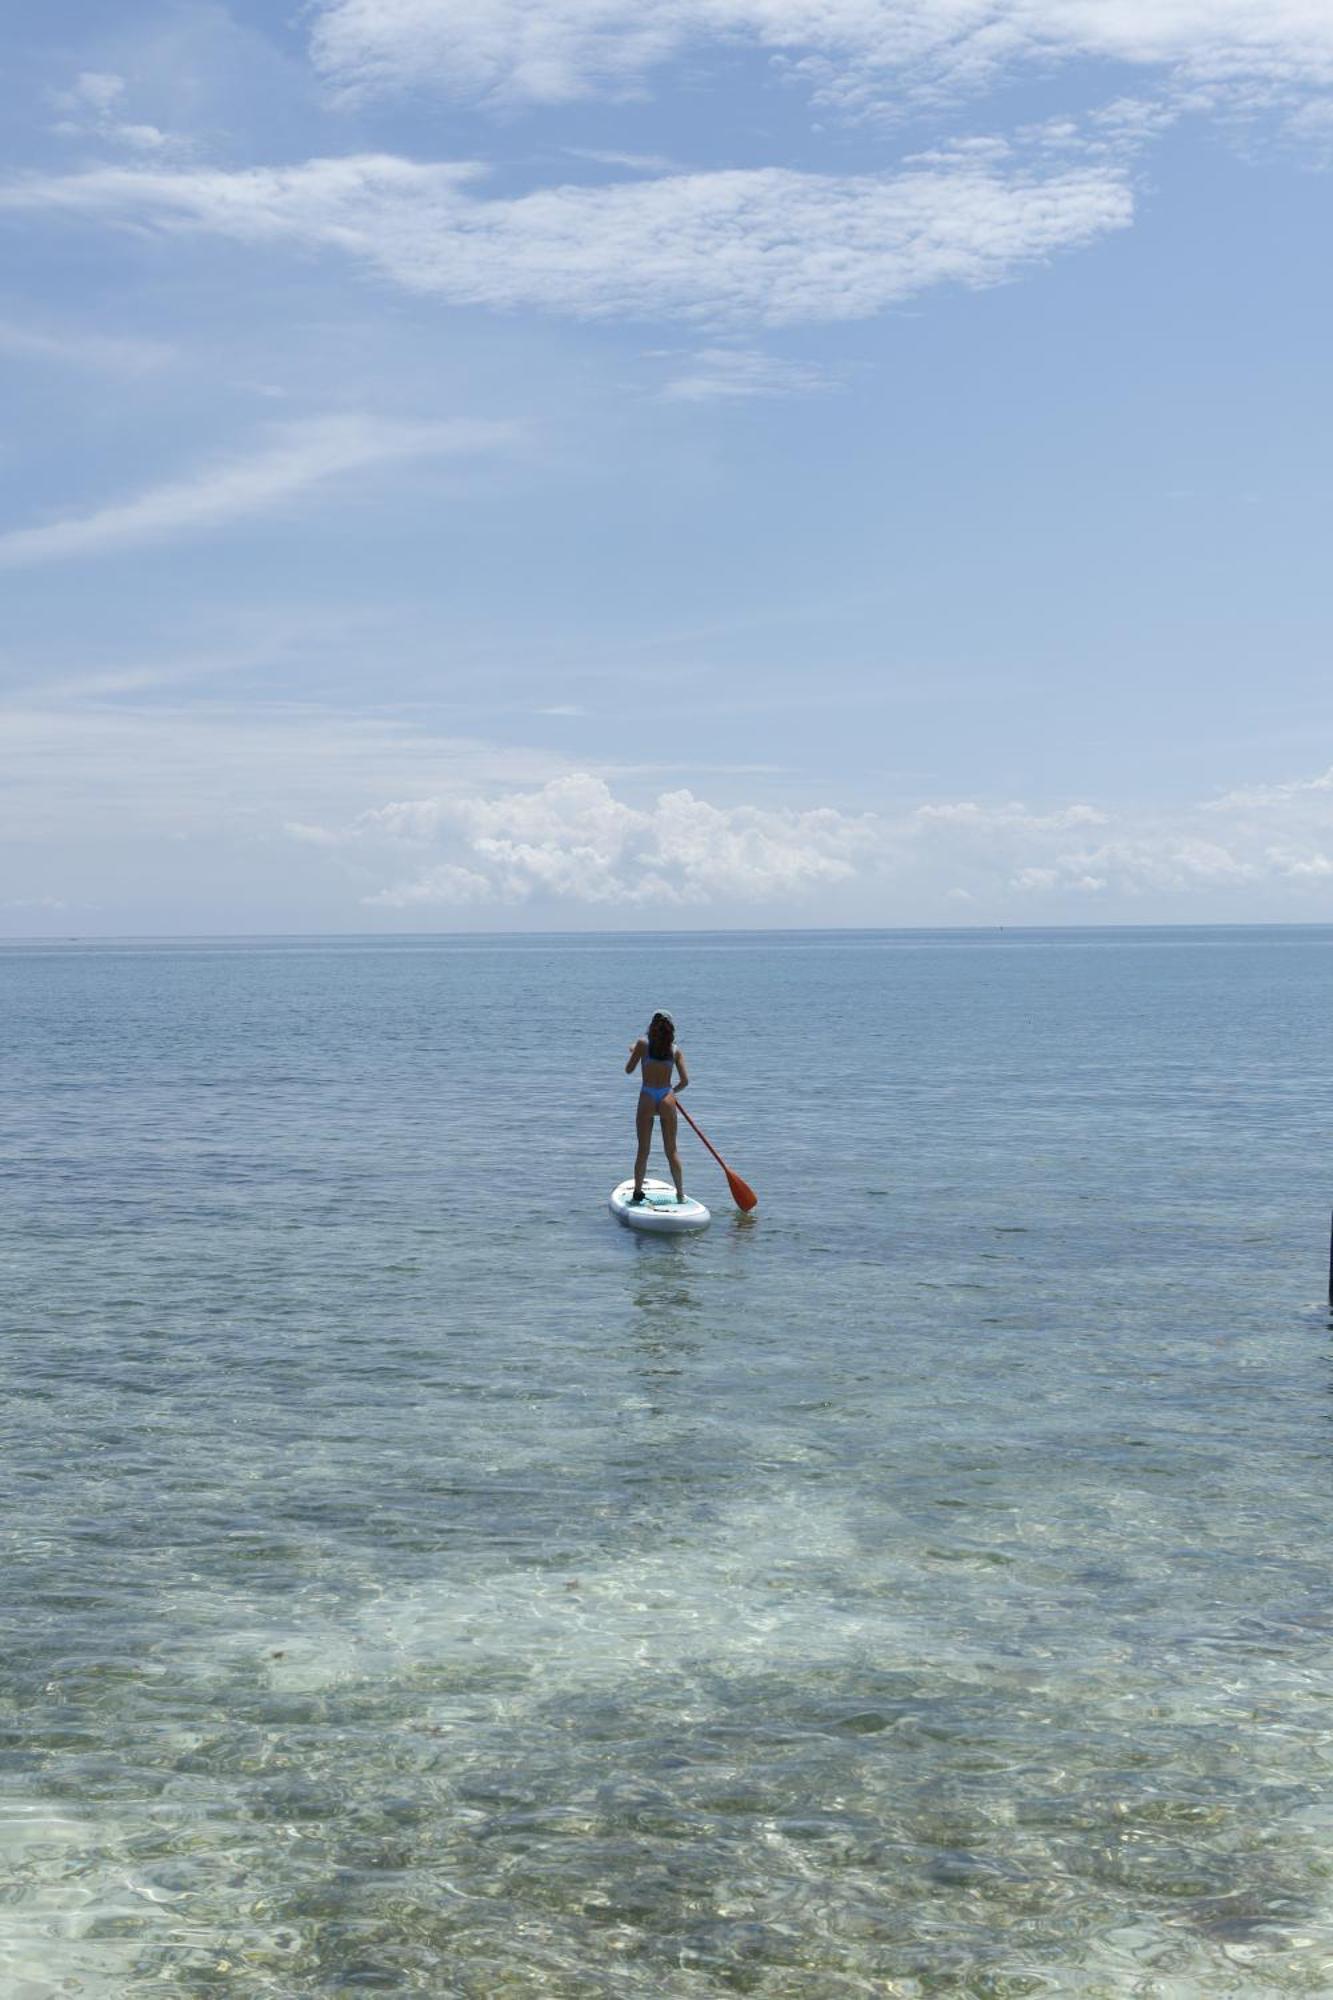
[{"x": 647, "y": 1090}]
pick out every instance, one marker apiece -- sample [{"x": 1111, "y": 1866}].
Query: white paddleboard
[{"x": 659, "y": 1210}]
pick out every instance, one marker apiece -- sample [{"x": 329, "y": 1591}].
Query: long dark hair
[{"x": 661, "y": 1038}]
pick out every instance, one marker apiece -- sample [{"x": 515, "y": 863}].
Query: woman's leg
[
  {"x": 643, "y": 1126},
  {"x": 670, "y": 1126}
]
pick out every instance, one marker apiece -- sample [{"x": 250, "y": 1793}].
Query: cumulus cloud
[
  {"x": 297, "y": 457},
  {"x": 508, "y": 834},
  {"x": 553, "y": 51},
  {"x": 574, "y": 843},
  {"x": 1166, "y": 861},
  {"x": 1279, "y": 836},
  {"x": 767, "y": 244},
  {"x": 1289, "y": 826}
]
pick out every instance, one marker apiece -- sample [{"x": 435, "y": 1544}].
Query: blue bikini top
[{"x": 648, "y": 1055}]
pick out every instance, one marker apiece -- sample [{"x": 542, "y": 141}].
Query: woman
[{"x": 658, "y": 1053}]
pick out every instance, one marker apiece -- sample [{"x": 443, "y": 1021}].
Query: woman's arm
[
  {"x": 683, "y": 1080},
  {"x": 636, "y": 1051}
]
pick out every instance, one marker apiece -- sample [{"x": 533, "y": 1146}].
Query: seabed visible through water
[{"x": 918, "y": 1588}]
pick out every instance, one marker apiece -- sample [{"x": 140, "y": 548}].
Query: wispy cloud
[
  {"x": 767, "y": 245},
  {"x": 90, "y": 108},
  {"x": 547, "y": 51},
  {"x": 551, "y": 51},
  {"x": 722, "y": 374},
  {"x": 1310, "y": 127},
  {"x": 299, "y": 457},
  {"x": 80, "y": 774},
  {"x": 1315, "y": 794},
  {"x": 634, "y": 163},
  {"x": 986, "y": 821},
  {"x": 112, "y": 354}
]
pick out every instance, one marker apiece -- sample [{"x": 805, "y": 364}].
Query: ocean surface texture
[{"x": 415, "y": 1583}]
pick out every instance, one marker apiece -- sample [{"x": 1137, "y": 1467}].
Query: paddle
[{"x": 743, "y": 1196}]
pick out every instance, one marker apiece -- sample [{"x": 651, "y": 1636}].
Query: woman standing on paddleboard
[{"x": 659, "y": 1055}]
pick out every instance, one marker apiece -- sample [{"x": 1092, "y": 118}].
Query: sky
[{"x": 652, "y": 464}]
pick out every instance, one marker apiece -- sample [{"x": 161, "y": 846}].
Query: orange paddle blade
[{"x": 744, "y": 1197}]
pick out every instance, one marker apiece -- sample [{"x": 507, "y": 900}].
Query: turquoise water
[{"x": 415, "y": 1583}]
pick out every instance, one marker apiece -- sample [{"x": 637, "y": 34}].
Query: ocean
[{"x": 415, "y": 1583}]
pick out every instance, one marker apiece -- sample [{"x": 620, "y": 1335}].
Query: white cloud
[
  {"x": 112, "y": 354},
  {"x": 1168, "y": 860},
  {"x": 989, "y": 820},
  {"x": 574, "y": 843},
  {"x": 117, "y": 789},
  {"x": 1274, "y": 836},
  {"x": 313, "y": 836},
  {"x": 300, "y": 456},
  {"x": 1288, "y": 827},
  {"x": 722, "y": 374},
  {"x": 634, "y": 163},
  {"x": 766, "y": 245},
  {"x": 1314, "y": 792},
  {"x": 1311, "y": 126},
  {"x": 1300, "y": 866},
  {"x": 92, "y": 90},
  {"x": 545, "y": 50},
  {"x": 90, "y": 112},
  {"x": 549, "y": 51}
]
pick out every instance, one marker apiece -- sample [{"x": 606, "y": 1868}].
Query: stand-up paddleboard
[{"x": 659, "y": 1210}]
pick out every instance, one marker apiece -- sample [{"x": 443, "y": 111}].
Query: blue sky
[{"x": 480, "y": 464}]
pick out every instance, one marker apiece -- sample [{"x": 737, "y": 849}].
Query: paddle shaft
[
  {"x": 742, "y": 1193},
  {"x": 707, "y": 1141}
]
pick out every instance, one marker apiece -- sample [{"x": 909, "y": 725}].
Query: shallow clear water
[{"x": 416, "y": 1583}]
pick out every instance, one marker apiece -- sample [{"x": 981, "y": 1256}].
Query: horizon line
[{"x": 728, "y": 930}]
